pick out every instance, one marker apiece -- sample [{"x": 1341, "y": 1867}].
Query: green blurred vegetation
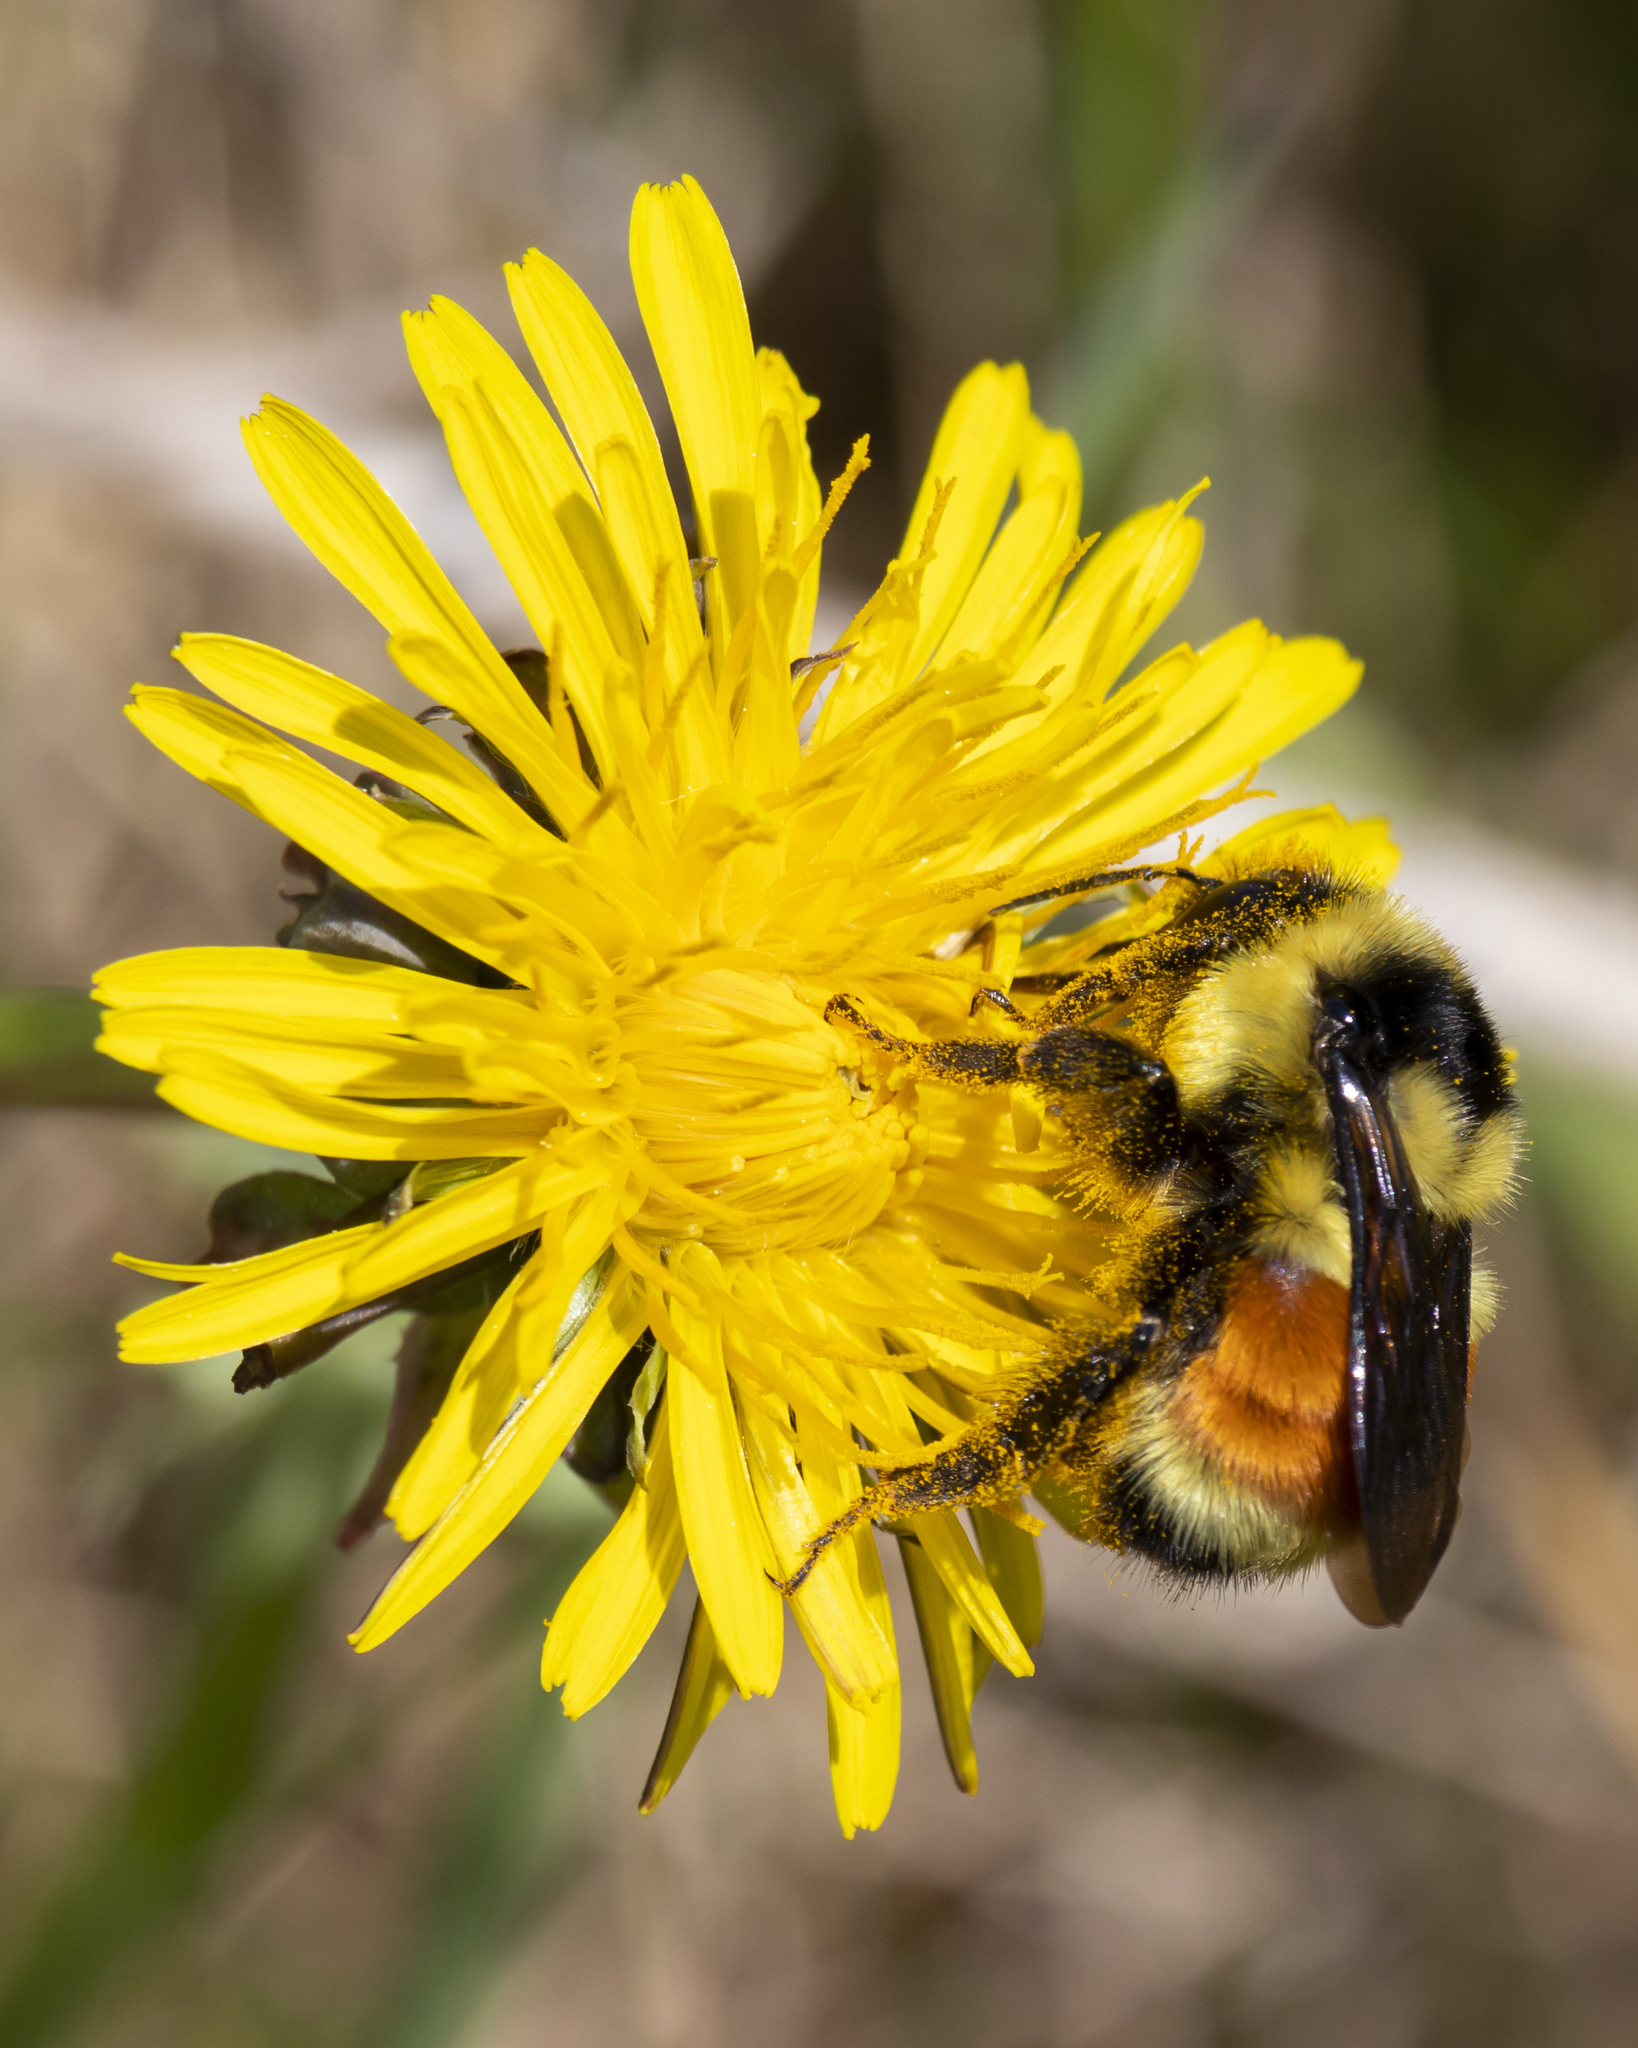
[
  {"x": 1128, "y": 106},
  {"x": 47, "y": 1060},
  {"x": 1584, "y": 1163},
  {"x": 1500, "y": 152},
  {"x": 228, "y": 1513}
]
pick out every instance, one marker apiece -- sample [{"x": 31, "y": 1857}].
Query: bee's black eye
[{"x": 1350, "y": 1014}]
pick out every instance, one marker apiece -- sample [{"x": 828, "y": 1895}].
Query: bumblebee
[{"x": 1290, "y": 1094}]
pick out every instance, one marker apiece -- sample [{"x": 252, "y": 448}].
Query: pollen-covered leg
[
  {"x": 1106, "y": 878},
  {"x": 977, "y": 1063},
  {"x": 982, "y": 1465},
  {"x": 1129, "y": 1097},
  {"x": 995, "y": 999},
  {"x": 994, "y": 1460}
]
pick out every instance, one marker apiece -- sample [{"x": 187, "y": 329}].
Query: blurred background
[{"x": 1373, "y": 266}]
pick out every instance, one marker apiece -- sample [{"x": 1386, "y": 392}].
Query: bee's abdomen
[{"x": 1265, "y": 1406}]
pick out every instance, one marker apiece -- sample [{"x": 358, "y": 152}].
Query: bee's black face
[
  {"x": 1404, "y": 1012},
  {"x": 1349, "y": 1020}
]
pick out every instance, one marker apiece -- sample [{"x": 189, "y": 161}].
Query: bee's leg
[
  {"x": 974, "y": 1063},
  {"x": 993, "y": 1461},
  {"x": 1106, "y": 878},
  {"x": 1126, "y": 1096},
  {"x": 996, "y": 1000},
  {"x": 1203, "y": 931}
]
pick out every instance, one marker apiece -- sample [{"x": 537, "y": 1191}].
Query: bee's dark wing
[{"x": 1408, "y": 1318}]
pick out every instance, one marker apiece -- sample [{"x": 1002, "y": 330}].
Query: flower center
[{"x": 758, "y": 1127}]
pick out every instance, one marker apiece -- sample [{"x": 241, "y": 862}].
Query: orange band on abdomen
[{"x": 1266, "y": 1405}]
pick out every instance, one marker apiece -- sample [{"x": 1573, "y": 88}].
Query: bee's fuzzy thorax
[
  {"x": 1248, "y": 1026},
  {"x": 1250, "y": 1021}
]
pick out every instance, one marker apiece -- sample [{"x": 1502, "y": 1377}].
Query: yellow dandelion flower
[{"x": 561, "y": 1007}]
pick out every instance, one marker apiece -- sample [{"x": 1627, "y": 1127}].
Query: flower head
[{"x": 561, "y": 1006}]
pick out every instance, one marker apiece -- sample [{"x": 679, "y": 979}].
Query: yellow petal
[
  {"x": 601, "y": 406},
  {"x": 1363, "y": 847},
  {"x": 864, "y": 1741},
  {"x": 727, "y": 1544},
  {"x": 315, "y": 988},
  {"x": 267, "y": 684},
  {"x": 1300, "y": 683},
  {"x": 694, "y": 310},
  {"x": 947, "y": 1550},
  {"x": 1160, "y": 721},
  {"x": 513, "y": 1465},
  {"x": 504, "y": 1359},
  {"x": 1048, "y": 458},
  {"x": 471, "y": 1218},
  {"x": 689, "y": 714},
  {"x": 201, "y": 738},
  {"x": 842, "y": 1634},
  {"x": 1295, "y": 685},
  {"x": 955, "y": 1663},
  {"x": 1116, "y": 602},
  {"x": 264, "y": 1297},
  {"x": 439, "y": 671},
  {"x": 789, "y": 500},
  {"x": 976, "y": 448},
  {"x": 618, "y": 1596},
  {"x": 345, "y": 1060},
  {"x": 704, "y": 1687},
  {"x": 864, "y": 1758},
  {"x": 342, "y": 825},
  {"x": 367, "y": 544},
  {"x": 439, "y": 875},
  {"x": 252, "y": 1105},
  {"x": 250, "y": 1300},
  {"x": 1131, "y": 582},
  {"x": 1006, "y": 605},
  {"x": 533, "y": 502},
  {"x": 945, "y": 1544},
  {"x": 1013, "y": 1565}
]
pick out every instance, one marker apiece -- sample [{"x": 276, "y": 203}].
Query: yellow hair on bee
[
  {"x": 1300, "y": 1219},
  {"x": 1486, "y": 1300},
  {"x": 1252, "y": 1018},
  {"x": 1202, "y": 1511},
  {"x": 1463, "y": 1172}
]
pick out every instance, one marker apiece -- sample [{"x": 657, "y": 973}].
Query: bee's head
[{"x": 1361, "y": 975}]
